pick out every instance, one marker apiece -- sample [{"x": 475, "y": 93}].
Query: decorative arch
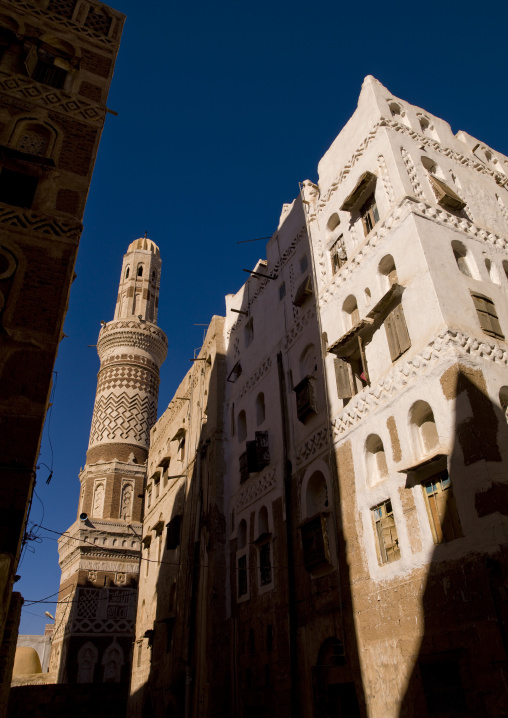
[
  {"x": 126, "y": 501},
  {"x": 350, "y": 311},
  {"x": 87, "y": 658},
  {"x": 112, "y": 661},
  {"x": 98, "y": 500},
  {"x": 33, "y": 137}
]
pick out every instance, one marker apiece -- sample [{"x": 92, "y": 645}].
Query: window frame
[
  {"x": 383, "y": 519},
  {"x": 487, "y": 315},
  {"x": 446, "y": 527}
]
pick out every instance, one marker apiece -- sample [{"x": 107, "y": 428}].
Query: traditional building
[
  {"x": 56, "y": 65},
  {"x": 99, "y": 554},
  {"x": 180, "y": 663},
  {"x": 365, "y": 449}
]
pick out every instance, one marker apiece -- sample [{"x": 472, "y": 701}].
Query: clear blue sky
[{"x": 222, "y": 109}]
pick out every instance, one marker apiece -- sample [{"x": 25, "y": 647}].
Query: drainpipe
[{"x": 293, "y": 624}]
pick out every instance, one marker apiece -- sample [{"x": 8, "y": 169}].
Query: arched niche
[
  {"x": 350, "y": 311},
  {"x": 87, "y": 659},
  {"x": 263, "y": 522},
  {"x": 464, "y": 259},
  {"x": 242, "y": 426},
  {"x": 316, "y": 490},
  {"x": 376, "y": 459},
  {"x": 423, "y": 429},
  {"x": 387, "y": 272}
]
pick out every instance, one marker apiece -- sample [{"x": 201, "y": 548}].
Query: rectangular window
[
  {"x": 304, "y": 263},
  {"x": 173, "y": 532},
  {"x": 305, "y": 399},
  {"x": 303, "y": 293},
  {"x": 338, "y": 255},
  {"x": 351, "y": 374},
  {"x": 242, "y": 576},
  {"x": 487, "y": 315},
  {"x": 386, "y": 532},
  {"x": 397, "y": 333},
  {"x": 149, "y": 497},
  {"x": 369, "y": 214},
  {"x": 282, "y": 291},
  {"x": 258, "y": 452},
  {"x": 17, "y": 188},
  {"x": 265, "y": 564},
  {"x": 157, "y": 485},
  {"x": 181, "y": 447},
  {"x": 442, "y": 510}
]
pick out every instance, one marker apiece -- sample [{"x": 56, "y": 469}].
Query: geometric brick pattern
[
  {"x": 122, "y": 417},
  {"x": 56, "y": 100},
  {"x": 39, "y": 222},
  {"x": 127, "y": 377}
]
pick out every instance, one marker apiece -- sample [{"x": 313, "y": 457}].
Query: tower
[{"x": 99, "y": 554}]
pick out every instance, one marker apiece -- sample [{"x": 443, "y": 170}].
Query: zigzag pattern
[
  {"x": 404, "y": 373},
  {"x": 120, "y": 417},
  {"x": 38, "y": 222},
  {"x": 24, "y": 87}
]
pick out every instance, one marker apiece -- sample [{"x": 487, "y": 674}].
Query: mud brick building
[
  {"x": 362, "y": 493},
  {"x": 56, "y": 65}
]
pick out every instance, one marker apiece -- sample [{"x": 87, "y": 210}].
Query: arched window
[
  {"x": 425, "y": 436},
  {"x": 376, "y": 459},
  {"x": 113, "y": 661},
  {"x": 127, "y": 272},
  {"x": 368, "y": 296},
  {"x": 316, "y": 495},
  {"x": 387, "y": 272},
  {"x": 463, "y": 257},
  {"x": 260, "y": 408},
  {"x": 398, "y": 113},
  {"x": 154, "y": 275},
  {"x": 140, "y": 270},
  {"x": 432, "y": 167},
  {"x": 492, "y": 270},
  {"x": 87, "y": 658},
  {"x": 332, "y": 223},
  {"x": 242, "y": 534},
  {"x": 33, "y": 139},
  {"x": 242, "y": 426},
  {"x": 427, "y": 127},
  {"x": 263, "y": 521},
  {"x": 350, "y": 310}
]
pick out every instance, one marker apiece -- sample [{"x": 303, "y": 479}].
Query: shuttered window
[
  {"x": 369, "y": 214},
  {"x": 386, "y": 532},
  {"x": 315, "y": 546},
  {"x": 173, "y": 532},
  {"x": 445, "y": 196},
  {"x": 338, "y": 254},
  {"x": 442, "y": 509},
  {"x": 396, "y": 332},
  {"x": 487, "y": 315},
  {"x": 345, "y": 388}
]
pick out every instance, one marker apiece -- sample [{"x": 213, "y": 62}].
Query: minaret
[{"x": 99, "y": 554}]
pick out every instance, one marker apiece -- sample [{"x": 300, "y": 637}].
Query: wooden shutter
[
  {"x": 487, "y": 315},
  {"x": 262, "y": 449},
  {"x": 343, "y": 377},
  {"x": 401, "y": 329},
  {"x": 31, "y": 60},
  {"x": 445, "y": 196},
  {"x": 390, "y": 538},
  {"x": 397, "y": 333},
  {"x": 435, "y": 511}
]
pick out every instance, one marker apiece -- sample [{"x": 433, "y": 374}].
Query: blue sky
[{"x": 222, "y": 109}]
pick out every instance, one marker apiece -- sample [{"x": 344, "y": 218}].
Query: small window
[
  {"x": 369, "y": 214},
  {"x": 304, "y": 264},
  {"x": 17, "y": 188},
  {"x": 242, "y": 426},
  {"x": 242, "y": 534},
  {"x": 48, "y": 73},
  {"x": 338, "y": 256},
  {"x": 442, "y": 509},
  {"x": 332, "y": 223},
  {"x": 303, "y": 293},
  {"x": 127, "y": 272},
  {"x": 315, "y": 543},
  {"x": 265, "y": 564},
  {"x": 260, "y": 408},
  {"x": 173, "y": 532},
  {"x": 242, "y": 576},
  {"x": 487, "y": 315},
  {"x": 351, "y": 312},
  {"x": 388, "y": 272},
  {"x": 282, "y": 291},
  {"x": 181, "y": 446},
  {"x": 249, "y": 331},
  {"x": 149, "y": 497},
  {"x": 157, "y": 486},
  {"x": 397, "y": 333},
  {"x": 351, "y": 374},
  {"x": 386, "y": 532},
  {"x": 492, "y": 270},
  {"x": 140, "y": 270}
]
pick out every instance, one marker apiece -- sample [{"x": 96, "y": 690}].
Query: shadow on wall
[
  {"x": 187, "y": 643},
  {"x": 462, "y": 668}
]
